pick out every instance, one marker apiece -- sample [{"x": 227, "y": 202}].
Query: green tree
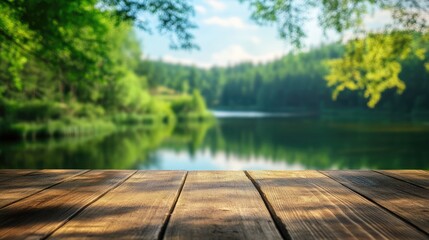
[
  {"x": 198, "y": 102},
  {"x": 344, "y": 15},
  {"x": 373, "y": 64},
  {"x": 70, "y": 36}
]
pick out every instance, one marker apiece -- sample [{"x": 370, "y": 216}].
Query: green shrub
[
  {"x": 181, "y": 104},
  {"x": 187, "y": 104},
  {"x": 33, "y": 110},
  {"x": 90, "y": 111}
]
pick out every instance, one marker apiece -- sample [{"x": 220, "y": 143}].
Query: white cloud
[
  {"x": 255, "y": 40},
  {"x": 231, "y": 55},
  {"x": 172, "y": 59},
  {"x": 378, "y": 19},
  {"x": 371, "y": 22},
  {"x": 381, "y": 18},
  {"x": 200, "y": 9},
  {"x": 216, "y": 4},
  {"x": 184, "y": 61},
  {"x": 232, "y": 22},
  {"x": 235, "y": 54},
  {"x": 375, "y": 21}
]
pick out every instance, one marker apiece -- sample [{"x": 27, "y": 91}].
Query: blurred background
[{"x": 214, "y": 84}]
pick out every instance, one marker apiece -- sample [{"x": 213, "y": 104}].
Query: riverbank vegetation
[
  {"x": 127, "y": 147},
  {"x": 40, "y": 119},
  {"x": 75, "y": 71}
]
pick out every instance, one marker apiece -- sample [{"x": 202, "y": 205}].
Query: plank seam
[
  {"x": 276, "y": 219},
  {"x": 43, "y": 189},
  {"x": 400, "y": 179},
  {"x": 379, "y": 205},
  {"x": 12, "y": 178},
  {"x": 173, "y": 207},
  {"x": 68, "y": 219}
]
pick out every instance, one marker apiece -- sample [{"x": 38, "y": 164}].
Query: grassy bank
[
  {"x": 54, "y": 128},
  {"x": 41, "y": 119},
  {"x": 72, "y": 127}
]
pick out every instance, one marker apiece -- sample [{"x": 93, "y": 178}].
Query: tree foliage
[
  {"x": 371, "y": 62},
  {"x": 297, "y": 81},
  {"x": 71, "y": 36},
  {"x": 290, "y": 16},
  {"x": 72, "y": 62}
]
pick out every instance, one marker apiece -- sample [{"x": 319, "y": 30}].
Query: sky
[{"x": 227, "y": 36}]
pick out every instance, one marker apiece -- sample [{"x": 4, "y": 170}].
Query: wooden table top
[{"x": 129, "y": 204}]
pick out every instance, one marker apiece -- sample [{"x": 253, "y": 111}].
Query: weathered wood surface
[
  {"x": 220, "y": 205},
  {"x": 401, "y": 198},
  {"x": 12, "y": 173},
  {"x": 98, "y": 204},
  {"x": 39, "y": 215},
  {"x": 417, "y": 177},
  {"x": 309, "y": 205},
  {"x": 29, "y": 184},
  {"x": 141, "y": 205}
]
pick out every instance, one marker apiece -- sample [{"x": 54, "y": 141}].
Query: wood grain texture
[
  {"x": 309, "y": 205},
  {"x": 416, "y": 177},
  {"x": 137, "y": 209},
  {"x": 39, "y": 215},
  {"x": 403, "y": 199},
  {"x": 26, "y": 185},
  {"x": 7, "y": 174},
  {"x": 220, "y": 205}
]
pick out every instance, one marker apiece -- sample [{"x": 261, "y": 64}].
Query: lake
[{"x": 237, "y": 140}]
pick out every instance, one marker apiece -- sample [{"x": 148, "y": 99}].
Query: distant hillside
[{"x": 295, "y": 81}]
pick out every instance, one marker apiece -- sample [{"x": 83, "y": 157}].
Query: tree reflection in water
[{"x": 273, "y": 143}]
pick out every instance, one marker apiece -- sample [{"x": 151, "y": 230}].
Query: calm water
[{"x": 242, "y": 140}]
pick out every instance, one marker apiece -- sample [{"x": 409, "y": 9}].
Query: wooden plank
[
  {"x": 416, "y": 177},
  {"x": 220, "y": 205},
  {"x": 309, "y": 205},
  {"x": 41, "y": 214},
  {"x": 26, "y": 185},
  {"x": 403, "y": 199},
  {"x": 138, "y": 209},
  {"x": 7, "y": 174}
]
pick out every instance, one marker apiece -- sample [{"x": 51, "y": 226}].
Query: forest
[{"x": 296, "y": 82}]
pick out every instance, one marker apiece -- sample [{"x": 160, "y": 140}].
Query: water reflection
[
  {"x": 206, "y": 159},
  {"x": 236, "y": 143},
  {"x": 252, "y": 114}
]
